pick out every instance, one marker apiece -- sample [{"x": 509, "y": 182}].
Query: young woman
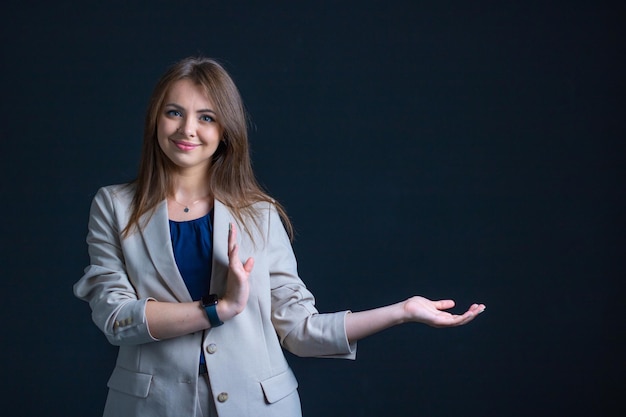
[{"x": 193, "y": 276}]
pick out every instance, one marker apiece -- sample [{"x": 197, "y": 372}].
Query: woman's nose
[{"x": 187, "y": 128}]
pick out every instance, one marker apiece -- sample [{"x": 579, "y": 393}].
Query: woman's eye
[
  {"x": 174, "y": 113},
  {"x": 206, "y": 118}
]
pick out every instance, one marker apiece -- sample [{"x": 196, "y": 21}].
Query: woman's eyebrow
[
  {"x": 179, "y": 107},
  {"x": 205, "y": 111}
]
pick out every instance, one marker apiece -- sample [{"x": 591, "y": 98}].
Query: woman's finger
[{"x": 232, "y": 237}]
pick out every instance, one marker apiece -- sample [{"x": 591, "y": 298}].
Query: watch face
[{"x": 209, "y": 300}]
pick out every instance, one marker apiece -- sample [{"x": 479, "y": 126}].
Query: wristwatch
[{"x": 209, "y": 303}]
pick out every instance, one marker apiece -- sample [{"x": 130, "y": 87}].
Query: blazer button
[
  {"x": 223, "y": 397},
  {"x": 212, "y": 348}
]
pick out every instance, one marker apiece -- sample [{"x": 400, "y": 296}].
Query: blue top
[{"x": 193, "y": 250}]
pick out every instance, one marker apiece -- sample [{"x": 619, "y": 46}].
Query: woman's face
[{"x": 187, "y": 130}]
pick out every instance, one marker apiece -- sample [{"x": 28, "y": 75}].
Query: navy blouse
[{"x": 193, "y": 247}]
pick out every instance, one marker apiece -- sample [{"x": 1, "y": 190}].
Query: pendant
[{"x": 186, "y": 209}]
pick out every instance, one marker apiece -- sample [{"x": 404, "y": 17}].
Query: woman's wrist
[
  {"x": 226, "y": 310},
  {"x": 400, "y": 313}
]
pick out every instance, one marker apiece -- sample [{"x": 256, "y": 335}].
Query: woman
[{"x": 192, "y": 273}]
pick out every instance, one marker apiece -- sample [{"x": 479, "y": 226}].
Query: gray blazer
[{"x": 248, "y": 372}]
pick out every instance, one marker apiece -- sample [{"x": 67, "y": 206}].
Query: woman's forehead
[{"x": 188, "y": 91}]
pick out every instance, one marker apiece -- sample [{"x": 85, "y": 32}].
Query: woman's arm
[
  {"x": 166, "y": 320},
  {"x": 415, "y": 309}
]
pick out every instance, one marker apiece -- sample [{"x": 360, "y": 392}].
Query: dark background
[{"x": 469, "y": 149}]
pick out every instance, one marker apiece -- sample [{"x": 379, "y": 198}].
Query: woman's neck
[{"x": 186, "y": 187}]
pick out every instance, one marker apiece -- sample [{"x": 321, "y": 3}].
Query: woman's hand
[
  {"x": 237, "y": 284},
  {"x": 416, "y": 309},
  {"x": 422, "y": 310}
]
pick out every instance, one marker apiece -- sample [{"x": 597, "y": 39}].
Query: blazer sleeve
[
  {"x": 105, "y": 285},
  {"x": 302, "y": 330}
]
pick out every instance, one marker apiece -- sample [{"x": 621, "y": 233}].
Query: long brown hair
[{"x": 231, "y": 179}]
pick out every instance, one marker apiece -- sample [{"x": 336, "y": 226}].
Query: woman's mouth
[{"x": 185, "y": 146}]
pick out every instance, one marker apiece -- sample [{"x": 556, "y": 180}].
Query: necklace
[{"x": 186, "y": 206}]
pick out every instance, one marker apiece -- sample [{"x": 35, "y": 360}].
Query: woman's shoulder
[
  {"x": 120, "y": 192},
  {"x": 271, "y": 215},
  {"x": 253, "y": 206},
  {"x": 264, "y": 210},
  {"x": 264, "y": 204}
]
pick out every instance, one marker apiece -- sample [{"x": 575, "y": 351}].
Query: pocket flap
[
  {"x": 129, "y": 382},
  {"x": 279, "y": 386}
]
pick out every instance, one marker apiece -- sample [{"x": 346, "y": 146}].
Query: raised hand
[{"x": 237, "y": 283}]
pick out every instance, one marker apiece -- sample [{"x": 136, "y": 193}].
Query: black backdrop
[{"x": 452, "y": 149}]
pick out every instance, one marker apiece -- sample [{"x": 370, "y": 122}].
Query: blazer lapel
[
  {"x": 156, "y": 235},
  {"x": 221, "y": 219}
]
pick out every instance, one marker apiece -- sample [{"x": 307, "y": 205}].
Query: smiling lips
[{"x": 185, "y": 146}]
